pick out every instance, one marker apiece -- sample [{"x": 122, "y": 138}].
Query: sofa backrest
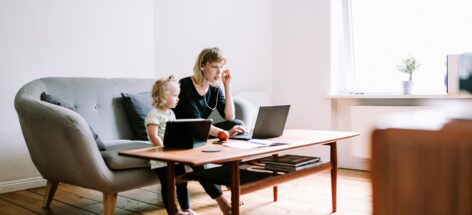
[{"x": 97, "y": 100}]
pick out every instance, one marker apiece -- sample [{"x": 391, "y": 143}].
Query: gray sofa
[{"x": 62, "y": 145}]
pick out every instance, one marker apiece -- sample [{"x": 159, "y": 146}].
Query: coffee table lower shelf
[{"x": 251, "y": 181}]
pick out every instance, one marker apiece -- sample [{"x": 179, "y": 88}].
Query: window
[{"x": 370, "y": 37}]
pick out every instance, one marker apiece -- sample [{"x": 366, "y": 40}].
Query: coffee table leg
[
  {"x": 171, "y": 187},
  {"x": 334, "y": 173},
  {"x": 235, "y": 188}
]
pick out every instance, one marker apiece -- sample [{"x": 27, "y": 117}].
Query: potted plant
[{"x": 408, "y": 66}]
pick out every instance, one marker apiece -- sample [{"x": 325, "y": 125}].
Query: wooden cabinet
[{"x": 422, "y": 170}]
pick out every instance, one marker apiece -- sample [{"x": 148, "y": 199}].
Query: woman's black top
[{"x": 192, "y": 105}]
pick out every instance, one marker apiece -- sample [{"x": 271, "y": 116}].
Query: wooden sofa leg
[
  {"x": 51, "y": 188},
  {"x": 109, "y": 203}
]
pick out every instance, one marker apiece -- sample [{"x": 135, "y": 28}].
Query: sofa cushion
[
  {"x": 137, "y": 106},
  {"x": 57, "y": 101},
  {"x": 116, "y": 162}
]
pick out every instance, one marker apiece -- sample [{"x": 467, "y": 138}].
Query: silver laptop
[{"x": 270, "y": 123}]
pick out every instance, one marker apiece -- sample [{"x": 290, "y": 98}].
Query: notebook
[
  {"x": 186, "y": 133},
  {"x": 270, "y": 123}
]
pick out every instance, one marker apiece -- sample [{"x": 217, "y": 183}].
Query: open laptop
[
  {"x": 270, "y": 123},
  {"x": 186, "y": 133}
]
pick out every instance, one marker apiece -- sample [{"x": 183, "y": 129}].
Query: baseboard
[
  {"x": 355, "y": 164},
  {"x": 22, "y": 184}
]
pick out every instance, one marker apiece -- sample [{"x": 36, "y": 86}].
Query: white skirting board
[
  {"x": 363, "y": 120},
  {"x": 21, "y": 184},
  {"x": 359, "y": 164}
]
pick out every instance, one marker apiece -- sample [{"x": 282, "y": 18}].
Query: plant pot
[{"x": 407, "y": 87}]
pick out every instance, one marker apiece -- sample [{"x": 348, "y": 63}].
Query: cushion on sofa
[
  {"x": 57, "y": 101},
  {"x": 117, "y": 162},
  {"x": 137, "y": 106}
]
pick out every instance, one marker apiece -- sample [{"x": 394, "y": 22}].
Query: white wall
[
  {"x": 241, "y": 28},
  {"x": 301, "y": 61},
  {"x": 278, "y": 47},
  {"x": 301, "y": 56},
  {"x": 110, "y": 38},
  {"x": 107, "y": 38}
]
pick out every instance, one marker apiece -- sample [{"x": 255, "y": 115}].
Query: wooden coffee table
[{"x": 232, "y": 157}]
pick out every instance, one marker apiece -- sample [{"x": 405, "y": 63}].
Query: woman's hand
[
  {"x": 226, "y": 77},
  {"x": 237, "y": 129}
]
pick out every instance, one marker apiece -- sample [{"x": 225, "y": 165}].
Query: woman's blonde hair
[
  {"x": 208, "y": 55},
  {"x": 160, "y": 90}
]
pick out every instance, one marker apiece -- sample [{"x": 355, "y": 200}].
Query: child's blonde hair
[
  {"x": 208, "y": 55},
  {"x": 160, "y": 90}
]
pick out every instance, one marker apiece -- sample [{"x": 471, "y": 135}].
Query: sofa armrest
[
  {"x": 60, "y": 143},
  {"x": 245, "y": 111}
]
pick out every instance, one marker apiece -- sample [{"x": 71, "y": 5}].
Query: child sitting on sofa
[{"x": 165, "y": 95}]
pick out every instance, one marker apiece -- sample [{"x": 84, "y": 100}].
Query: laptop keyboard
[{"x": 243, "y": 136}]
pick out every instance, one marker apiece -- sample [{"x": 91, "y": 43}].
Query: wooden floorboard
[
  {"x": 33, "y": 202},
  {"x": 308, "y": 195},
  {"x": 7, "y": 208}
]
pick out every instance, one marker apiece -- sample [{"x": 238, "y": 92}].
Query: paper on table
[
  {"x": 253, "y": 143},
  {"x": 266, "y": 142},
  {"x": 242, "y": 145}
]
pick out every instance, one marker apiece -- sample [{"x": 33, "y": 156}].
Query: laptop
[
  {"x": 270, "y": 123},
  {"x": 186, "y": 133}
]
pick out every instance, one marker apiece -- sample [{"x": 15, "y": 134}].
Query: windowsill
[{"x": 400, "y": 96}]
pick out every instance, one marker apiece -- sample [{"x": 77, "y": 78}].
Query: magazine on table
[
  {"x": 290, "y": 160},
  {"x": 282, "y": 168}
]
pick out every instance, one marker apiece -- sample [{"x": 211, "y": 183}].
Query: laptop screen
[
  {"x": 186, "y": 133},
  {"x": 270, "y": 121}
]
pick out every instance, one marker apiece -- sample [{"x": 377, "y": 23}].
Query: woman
[{"x": 201, "y": 94}]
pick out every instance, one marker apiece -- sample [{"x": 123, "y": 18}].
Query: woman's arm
[
  {"x": 229, "y": 104},
  {"x": 152, "y": 132}
]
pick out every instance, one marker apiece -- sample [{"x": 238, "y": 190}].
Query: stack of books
[{"x": 289, "y": 163}]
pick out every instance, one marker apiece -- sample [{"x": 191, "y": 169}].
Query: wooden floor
[{"x": 309, "y": 195}]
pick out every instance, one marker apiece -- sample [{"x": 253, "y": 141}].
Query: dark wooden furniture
[
  {"x": 422, "y": 166},
  {"x": 231, "y": 158}
]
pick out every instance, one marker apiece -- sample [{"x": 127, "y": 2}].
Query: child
[{"x": 165, "y": 95}]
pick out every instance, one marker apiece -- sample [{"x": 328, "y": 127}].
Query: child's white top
[{"x": 159, "y": 118}]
